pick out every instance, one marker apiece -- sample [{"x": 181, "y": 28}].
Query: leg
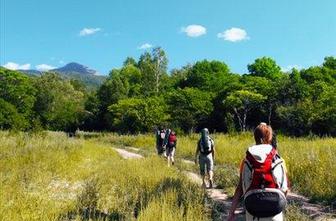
[
  {"x": 210, "y": 170},
  {"x": 202, "y": 169},
  {"x": 172, "y": 154}
]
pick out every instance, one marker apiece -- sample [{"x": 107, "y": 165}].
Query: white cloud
[
  {"x": 145, "y": 46},
  {"x": 44, "y": 67},
  {"x": 290, "y": 67},
  {"x": 194, "y": 30},
  {"x": 234, "y": 35},
  {"x": 89, "y": 31},
  {"x": 15, "y": 66}
]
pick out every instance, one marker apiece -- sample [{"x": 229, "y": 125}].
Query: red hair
[{"x": 263, "y": 134}]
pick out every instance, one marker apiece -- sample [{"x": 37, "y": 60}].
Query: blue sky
[{"x": 102, "y": 33}]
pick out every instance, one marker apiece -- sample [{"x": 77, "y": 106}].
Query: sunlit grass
[
  {"x": 310, "y": 161},
  {"x": 48, "y": 176}
]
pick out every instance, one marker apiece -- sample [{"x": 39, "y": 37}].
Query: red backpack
[
  {"x": 262, "y": 172},
  {"x": 172, "y": 138},
  {"x": 263, "y": 197}
]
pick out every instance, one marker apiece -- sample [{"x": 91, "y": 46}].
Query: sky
[{"x": 44, "y": 34}]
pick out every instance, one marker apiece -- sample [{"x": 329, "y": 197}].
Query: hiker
[
  {"x": 170, "y": 146},
  {"x": 160, "y": 137},
  {"x": 263, "y": 181},
  {"x": 205, "y": 153}
]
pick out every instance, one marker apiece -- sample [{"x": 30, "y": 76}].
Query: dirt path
[
  {"x": 221, "y": 202},
  {"x": 128, "y": 155}
]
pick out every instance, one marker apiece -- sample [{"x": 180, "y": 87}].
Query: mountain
[
  {"x": 74, "y": 67},
  {"x": 77, "y": 71}
]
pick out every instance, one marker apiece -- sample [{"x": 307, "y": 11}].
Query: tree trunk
[
  {"x": 239, "y": 119},
  {"x": 157, "y": 76},
  {"x": 244, "y": 120},
  {"x": 269, "y": 114}
]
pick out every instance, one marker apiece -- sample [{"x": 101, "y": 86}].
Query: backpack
[
  {"x": 172, "y": 139},
  {"x": 162, "y": 134},
  {"x": 264, "y": 182},
  {"x": 206, "y": 147}
]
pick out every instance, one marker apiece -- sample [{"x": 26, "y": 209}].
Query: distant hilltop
[
  {"x": 69, "y": 68},
  {"x": 73, "y": 70},
  {"x": 77, "y": 68}
]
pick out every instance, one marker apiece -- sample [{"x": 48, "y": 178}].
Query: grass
[
  {"x": 310, "y": 161},
  {"x": 48, "y": 176}
]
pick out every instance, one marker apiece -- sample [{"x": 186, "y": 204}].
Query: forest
[{"x": 143, "y": 94}]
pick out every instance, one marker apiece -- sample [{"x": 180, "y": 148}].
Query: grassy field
[
  {"x": 48, "y": 176},
  {"x": 51, "y": 177},
  {"x": 310, "y": 161}
]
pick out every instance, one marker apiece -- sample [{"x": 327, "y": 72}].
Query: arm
[{"x": 238, "y": 193}]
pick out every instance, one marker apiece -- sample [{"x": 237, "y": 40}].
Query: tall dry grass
[
  {"x": 310, "y": 161},
  {"x": 48, "y": 176}
]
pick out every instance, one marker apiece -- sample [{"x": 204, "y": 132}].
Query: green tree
[
  {"x": 10, "y": 118},
  {"x": 130, "y": 61},
  {"x": 330, "y": 62},
  {"x": 265, "y": 67},
  {"x": 138, "y": 115},
  {"x": 324, "y": 112},
  {"x": 113, "y": 89},
  {"x": 242, "y": 102},
  {"x": 17, "y": 89},
  {"x": 296, "y": 119},
  {"x": 133, "y": 76},
  {"x": 58, "y": 104},
  {"x": 189, "y": 108},
  {"x": 207, "y": 75},
  {"x": 153, "y": 68}
]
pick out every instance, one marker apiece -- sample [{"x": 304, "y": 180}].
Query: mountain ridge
[{"x": 90, "y": 77}]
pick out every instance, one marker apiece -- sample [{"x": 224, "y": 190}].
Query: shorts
[
  {"x": 170, "y": 151},
  {"x": 205, "y": 163}
]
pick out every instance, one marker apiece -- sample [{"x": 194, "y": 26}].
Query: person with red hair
[{"x": 263, "y": 181}]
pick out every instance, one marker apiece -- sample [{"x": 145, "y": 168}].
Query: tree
[
  {"x": 324, "y": 112},
  {"x": 130, "y": 61},
  {"x": 330, "y": 62},
  {"x": 138, "y": 115},
  {"x": 265, "y": 67},
  {"x": 189, "y": 108},
  {"x": 161, "y": 61},
  {"x": 113, "y": 89},
  {"x": 242, "y": 102},
  {"x": 207, "y": 75},
  {"x": 10, "y": 118},
  {"x": 58, "y": 104},
  {"x": 153, "y": 68},
  {"x": 17, "y": 89},
  {"x": 296, "y": 119},
  {"x": 133, "y": 76}
]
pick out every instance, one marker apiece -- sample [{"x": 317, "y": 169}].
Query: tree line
[{"x": 142, "y": 95}]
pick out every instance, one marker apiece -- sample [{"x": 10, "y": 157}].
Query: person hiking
[
  {"x": 263, "y": 181},
  {"x": 160, "y": 137},
  {"x": 205, "y": 153},
  {"x": 170, "y": 146}
]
